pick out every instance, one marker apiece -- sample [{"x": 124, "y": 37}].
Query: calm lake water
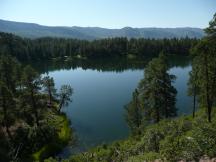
[{"x": 101, "y": 89}]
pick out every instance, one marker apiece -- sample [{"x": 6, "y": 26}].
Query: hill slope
[{"x": 31, "y": 30}]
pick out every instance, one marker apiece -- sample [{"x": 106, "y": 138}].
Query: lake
[{"x": 101, "y": 90}]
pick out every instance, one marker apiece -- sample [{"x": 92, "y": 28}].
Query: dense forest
[
  {"x": 34, "y": 128},
  {"x": 32, "y": 124},
  {"x": 55, "y": 48}
]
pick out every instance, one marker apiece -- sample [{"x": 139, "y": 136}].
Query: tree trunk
[
  {"x": 34, "y": 108},
  {"x": 5, "y": 120},
  {"x": 50, "y": 95},
  {"x": 50, "y": 98},
  {"x": 137, "y": 109},
  {"x": 207, "y": 90},
  {"x": 194, "y": 104},
  {"x": 164, "y": 93},
  {"x": 8, "y": 131},
  {"x": 158, "y": 115},
  {"x": 61, "y": 104}
]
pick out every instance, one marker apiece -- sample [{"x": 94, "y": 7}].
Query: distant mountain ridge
[{"x": 31, "y": 30}]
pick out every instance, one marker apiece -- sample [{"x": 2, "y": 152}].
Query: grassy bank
[{"x": 64, "y": 135}]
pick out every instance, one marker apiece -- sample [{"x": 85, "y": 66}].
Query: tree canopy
[{"x": 50, "y": 48}]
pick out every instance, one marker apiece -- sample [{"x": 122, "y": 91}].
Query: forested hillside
[{"x": 30, "y": 30}]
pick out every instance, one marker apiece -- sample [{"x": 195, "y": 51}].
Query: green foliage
[
  {"x": 49, "y": 88},
  {"x": 205, "y": 137},
  {"x": 184, "y": 138},
  {"x": 59, "y": 140},
  {"x": 59, "y": 48},
  {"x": 193, "y": 85},
  {"x": 204, "y": 67},
  {"x": 211, "y": 31},
  {"x": 133, "y": 115},
  {"x": 65, "y": 96},
  {"x": 7, "y": 105},
  {"x": 151, "y": 139},
  {"x": 180, "y": 148},
  {"x": 28, "y": 126},
  {"x": 31, "y": 85},
  {"x": 8, "y": 74},
  {"x": 156, "y": 90},
  {"x": 150, "y": 156},
  {"x": 154, "y": 99}
]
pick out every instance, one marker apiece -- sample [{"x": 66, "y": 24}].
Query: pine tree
[
  {"x": 158, "y": 94},
  {"x": 65, "y": 96},
  {"x": 7, "y": 108},
  {"x": 193, "y": 86},
  {"x": 205, "y": 62},
  {"x": 49, "y": 88},
  {"x": 32, "y": 84},
  {"x": 134, "y": 113},
  {"x": 8, "y": 72}
]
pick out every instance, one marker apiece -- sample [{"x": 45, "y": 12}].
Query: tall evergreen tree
[
  {"x": 8, "y": 72},
  {"x": 7, "y": 108},
  {"x": 32, "y": 84},
  {"x": 49, "y": 88},
  {"x": 193, "y": 86},
  {"x": 205, "y": 62},
  {"x": 211, "y": 30},
  {"x": 168, "y": 92},
  {"x": 158, "y": 94}
]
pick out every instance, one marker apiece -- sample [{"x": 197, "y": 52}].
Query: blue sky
[{"x": 110, "y": 13}]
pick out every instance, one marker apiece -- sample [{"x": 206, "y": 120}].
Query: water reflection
[
  {"x": 101, "y": 89},
  {"x": 115, "y": 65}
]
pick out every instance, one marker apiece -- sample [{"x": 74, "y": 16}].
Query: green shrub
[
  {"x": 150, "y": 156},
  {"x": 183, "y": 138},
  {"x": 181, "y": 147},
  {"x": 205, "y": 136}
]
